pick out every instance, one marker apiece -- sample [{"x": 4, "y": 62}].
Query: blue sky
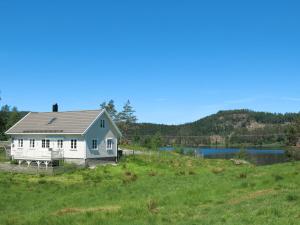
[{"x": 177, "y": 61}]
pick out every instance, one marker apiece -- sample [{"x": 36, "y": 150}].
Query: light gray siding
[{"x": 101, "y": 135}]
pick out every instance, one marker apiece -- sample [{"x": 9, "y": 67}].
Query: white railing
[{"x": 37, "y": 154}]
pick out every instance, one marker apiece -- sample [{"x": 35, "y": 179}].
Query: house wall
[
  {"x": 101, "y": 135},
  {"x": 38, "y": 151}
]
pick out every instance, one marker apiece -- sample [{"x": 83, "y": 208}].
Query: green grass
[{"x": 156, "y": 189}]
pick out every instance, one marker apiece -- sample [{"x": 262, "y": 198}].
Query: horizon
[{"x": 176, "y": 62}]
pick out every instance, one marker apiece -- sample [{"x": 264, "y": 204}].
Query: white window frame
[
  {"x": 102, "y": 123},
  {"x": 45, "y": 143},
  {"x": 109, "y": 148},
  {"x": 32, "y": 143},
  {"x": 93, "y": 147},
  {"x": 74, "y": 144},
  {"x": 20, "y": 143},
  {"x": 60, "y": 144}
]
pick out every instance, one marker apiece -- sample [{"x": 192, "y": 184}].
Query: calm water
[{"x": 254, "y": 155}]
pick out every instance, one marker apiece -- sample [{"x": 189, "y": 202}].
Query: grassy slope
[{"x": 156, "y": 190}]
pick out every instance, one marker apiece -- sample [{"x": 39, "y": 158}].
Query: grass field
[{"x": 165, "y": 189}]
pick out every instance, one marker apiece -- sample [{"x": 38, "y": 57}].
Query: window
[
  {"x": 60, "y": 144},
  {"x": 94, "y": 144},
  {"x": 45, "y": 143},
  {"x": 73, "y": 144},
  {"x": 102, "y": 123},
  {"x": 31, "y": 143},
  {"x": 20, "y": 143},
  {"x": 109, "y": 144}
]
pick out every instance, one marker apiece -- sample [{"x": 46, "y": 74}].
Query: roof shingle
[{"x": 73, "y": 122}]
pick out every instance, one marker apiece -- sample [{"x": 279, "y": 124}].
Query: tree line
[
  {"x": 8, "y": 117},
  {"x": 227, "y": 128}
]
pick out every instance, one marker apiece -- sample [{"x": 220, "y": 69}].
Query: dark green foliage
[
  {"x": 8, "y": 117},
  {"x": 110, "y": 108},
  {"x": 232, "y": 127},
  {"x": 277, "y": 177},
  {"x": 243, "y": 175},
  {"x": 127, "y": 116},
  {"x": 291, "y": 197},
  {"x": 292, "y": 133}
]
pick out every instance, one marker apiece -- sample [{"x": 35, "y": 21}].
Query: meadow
[{"x": 156, "y": 189}]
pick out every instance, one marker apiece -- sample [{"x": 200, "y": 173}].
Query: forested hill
[{"x": 238, "y": 125}]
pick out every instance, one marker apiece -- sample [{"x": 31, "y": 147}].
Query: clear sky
[{"x": 177, "y": 61}]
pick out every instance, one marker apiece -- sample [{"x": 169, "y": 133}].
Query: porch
[{"x": 39, "y": 157}]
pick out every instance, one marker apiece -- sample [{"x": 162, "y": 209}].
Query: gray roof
[{"x": 75, "y": 122}]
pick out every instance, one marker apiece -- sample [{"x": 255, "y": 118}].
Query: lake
[{"x": 254, "y": 155}]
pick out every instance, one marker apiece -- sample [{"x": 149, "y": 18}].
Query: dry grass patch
[
  {"x": 251, "y": 196},
  {"x": 66, "y": 211},
  {"x": 129, "y": 177},
  {"x": 152, "y": 206},
  {"x": 218, "y": 170}
]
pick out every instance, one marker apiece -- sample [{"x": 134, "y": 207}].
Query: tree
[
  {"x": 14, "y": 116},
  {"x": 103, "y": 105},
  {"x": 156, "y": 141},
  {"x": 292, "y": 133},
  {"x": 127, "y": 115},
  {"x": 110, "y": 108}
]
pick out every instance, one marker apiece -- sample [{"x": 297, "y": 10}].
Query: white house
[{"x": 75, "y": 136}]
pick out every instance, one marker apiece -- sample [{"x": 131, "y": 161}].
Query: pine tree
[
  {"x": 103, "y": 105},
  {"x": 127, "y": 115},
  {"x": 110, "y": 108}
]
